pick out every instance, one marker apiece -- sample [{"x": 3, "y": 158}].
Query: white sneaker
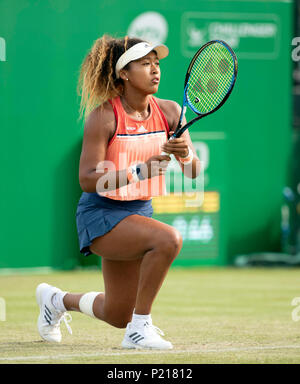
[
  {"x": 145, "y": 336},
  {"x": 50, "y": 318}
]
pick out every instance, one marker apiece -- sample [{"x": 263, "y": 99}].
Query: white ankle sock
[
  {"x": 141, "y": 319},
  {"x": 57, "y": 301}
]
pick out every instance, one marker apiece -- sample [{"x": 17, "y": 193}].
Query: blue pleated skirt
[{"x": 96, "y": 215}]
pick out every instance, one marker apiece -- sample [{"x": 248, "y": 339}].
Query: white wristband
[{"x": 188, "y": 159}]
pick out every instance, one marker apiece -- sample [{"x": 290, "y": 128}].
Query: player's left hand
[{"x": 178, "y": 147}]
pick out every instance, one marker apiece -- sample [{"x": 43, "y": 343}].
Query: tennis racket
[{"x": 209, "y": 80}]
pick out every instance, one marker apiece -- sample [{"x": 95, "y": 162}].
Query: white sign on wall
[
  {"x": 251, "y": 35},
  {"x": 150, "y": 26}
]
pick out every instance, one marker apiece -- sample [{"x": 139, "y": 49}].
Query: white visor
[{"x": 140, "y": 50}]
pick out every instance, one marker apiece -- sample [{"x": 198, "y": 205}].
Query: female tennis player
[{"x": 121, "y": 169}]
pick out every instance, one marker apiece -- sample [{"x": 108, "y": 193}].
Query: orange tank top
[{"x": 135, "y": 142}]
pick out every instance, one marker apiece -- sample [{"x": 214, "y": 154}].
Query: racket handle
[{"x": 183, "y": 112}]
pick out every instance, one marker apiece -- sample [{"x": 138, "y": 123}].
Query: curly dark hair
[{"x": 97, "y": 80}]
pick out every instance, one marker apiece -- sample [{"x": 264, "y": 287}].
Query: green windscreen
[{"x": 211, "y": 78}]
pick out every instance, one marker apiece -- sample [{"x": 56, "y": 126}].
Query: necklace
[{"x": 138, "y": 114}]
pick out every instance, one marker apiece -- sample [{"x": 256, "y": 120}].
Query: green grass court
[{"x": 210, "y": 315}]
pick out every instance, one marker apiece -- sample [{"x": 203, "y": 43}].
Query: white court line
[{"x": 141, "y": 352}]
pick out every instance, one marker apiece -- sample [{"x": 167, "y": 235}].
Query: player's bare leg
[
  {"x": 156, "y": 245},
  {"x": 116, "y": 305},
  {"x": 140, "y": 238},
  {"x": 136, "y": 256}
]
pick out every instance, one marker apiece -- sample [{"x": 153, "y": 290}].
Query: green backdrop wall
[{"x": 247, "y": 142}]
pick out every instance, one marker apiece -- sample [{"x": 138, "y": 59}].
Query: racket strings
[{"x": 210, "y": 78}]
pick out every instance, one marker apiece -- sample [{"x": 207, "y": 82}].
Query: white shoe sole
[{"x": 129, "y": 345}]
